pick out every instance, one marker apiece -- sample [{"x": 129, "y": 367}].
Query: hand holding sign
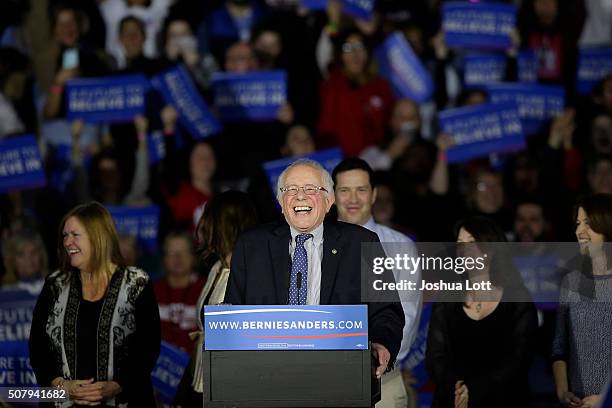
[
  {"x": 562, "y": 130},
  {"x": 169, "y": 116}
]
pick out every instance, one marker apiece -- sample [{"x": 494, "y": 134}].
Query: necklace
[{"x": 478, "y": 307}]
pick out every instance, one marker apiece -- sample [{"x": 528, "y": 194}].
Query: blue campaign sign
[
  {"x": 537, "y": 104},
  {"x": 108, "y": 99},
  {"x": 314, "y": 4},
  {"x": 399, "y": 65},
  {"x": 607, "y": 395},
  {"x": 478, "y": 25},
  {"x": 481, "y": 130},
  {"x": 253, "y": 96},
  {"x": 156, "y": 147},
  {"x": 168, "y": 371},
  {"x": 415, "y": 360},
  {"x": 16, "y": 308},
  {"x": 541, "y": 277},
  {"x": 311, "y": 327},
  {"x": 328, "y": 158},
  {"x": 593, "y": 65},
  {"x": 141, "y": 222},
  {"x": 527, "y": 62},
  {"x": 480, "y": 68},
  {"x": 21, "y": 167},
  {"x": 362, "y": 9},
  {"x": 178, "y": 90}
]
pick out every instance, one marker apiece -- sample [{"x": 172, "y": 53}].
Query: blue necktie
[{"x": 298, "y": 286}]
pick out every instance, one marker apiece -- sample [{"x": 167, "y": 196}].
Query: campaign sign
[
  {"x": 478, "y": 25},
  {"x": 178, "y": 90},
  {"x": 304, "y": 327},
  {"x": 253, "y": 96},
  {"x": 108, "y": 99},
  {"x": 415, "y": 360},
  {"x": 361, "y": 9},
  {"x": 398, "y": 64},
  {"x": 314, "y": 4},
  {"x": 593, "y": 65},
  {"x": 328, "y": 158},
  {"x": 537, "y": 104},
  {"x": 481, "y": 69},
  {"x": 156, "y": 147},
  {"x": 482, "y": 130},
  {"x": 541, "y": 277},
  {"x": 527, "y": 62},
  {"x": 21, "y": 167},
  {"x": 16, "y": 308},
  {"x": 606, "y": 402},
  {"x": 141, "y": 222},
  {"x": 168, "y": 371}
]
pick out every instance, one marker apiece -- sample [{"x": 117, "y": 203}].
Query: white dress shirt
[
  {"x": 314, "y": 253},
  {"x": 411, "y": 300}
]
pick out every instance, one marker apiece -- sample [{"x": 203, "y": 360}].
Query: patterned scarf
[{"x": 116, "y": 323}]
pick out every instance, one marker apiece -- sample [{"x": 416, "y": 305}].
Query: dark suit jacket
[{"x": 261, "y": 264}]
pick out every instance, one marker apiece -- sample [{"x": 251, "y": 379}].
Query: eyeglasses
[
  {"x": 309, "y": 189},
  {"x": 350, "y": 47}
]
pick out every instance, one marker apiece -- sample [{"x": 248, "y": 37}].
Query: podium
[{"x": 261, "y": 365}]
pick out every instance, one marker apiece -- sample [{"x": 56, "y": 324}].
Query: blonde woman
[
  {"x": 26, "y": 261},
  {"x": 95, "y": 329}
]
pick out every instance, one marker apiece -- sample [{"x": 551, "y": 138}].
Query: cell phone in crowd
[{"x": 70, "y": 58}]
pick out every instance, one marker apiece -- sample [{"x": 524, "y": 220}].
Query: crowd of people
[{"x": 396, "y": 181}]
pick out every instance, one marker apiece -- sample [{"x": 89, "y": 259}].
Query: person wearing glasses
[
  {"x": 304, "y": 260},
  {"x": 356, "y": 104}
]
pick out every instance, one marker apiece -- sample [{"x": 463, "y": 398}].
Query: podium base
[{"x": 289, "y": 379}]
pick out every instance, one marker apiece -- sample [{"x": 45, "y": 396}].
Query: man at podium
[{"x": 304, "y": 260}]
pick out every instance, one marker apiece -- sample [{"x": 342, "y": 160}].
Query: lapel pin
[{"x": 334, "y": 251}]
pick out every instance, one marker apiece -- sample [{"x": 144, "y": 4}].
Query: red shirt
[
  {"x": 184, "y": 203},
  {"x": 353, "y": 116},
  {"x": 177, "y": 311},
  {"x": 549, "y": 49}
]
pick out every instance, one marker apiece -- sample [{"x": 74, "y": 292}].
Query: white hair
[{"x": 326, "y": 178}]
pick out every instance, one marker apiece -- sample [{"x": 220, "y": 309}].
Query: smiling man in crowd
[
  {"x": 355, "y": 195},
  {"x": 304, "y": 260}
]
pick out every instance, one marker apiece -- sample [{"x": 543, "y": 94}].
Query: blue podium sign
[
  {"x": 478, "y": 25},
  {"x": 284, "y": 327},
  {"x": 481, "y": 130},
  {"x": 21, "y": 166},
  {"x": 108, "y": 99}
]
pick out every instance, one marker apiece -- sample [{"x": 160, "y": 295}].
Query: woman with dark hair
[
  {"x": 479, "y": 349},
  {"x": 356, "y": 103},
  {"x": 225, "y": 217},
  {"x": 95, "y": 328},
  {"x": 582, "y": 347}
]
